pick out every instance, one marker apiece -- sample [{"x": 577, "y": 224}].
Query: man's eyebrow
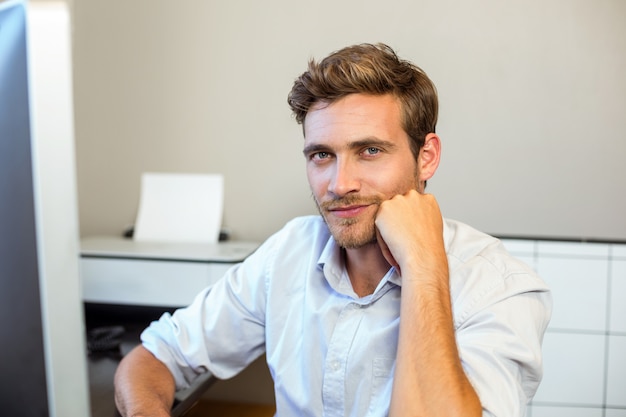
[{"x": 372, "y": 142}]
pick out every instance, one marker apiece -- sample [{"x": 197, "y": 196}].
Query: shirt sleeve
[
  {"x": 221, "y": 331},
  {"x": 500, "y": 344}
]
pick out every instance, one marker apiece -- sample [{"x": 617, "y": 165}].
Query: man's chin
[
  {"x": 348, "y": 238},
  {"x": 355, "y": 244}
]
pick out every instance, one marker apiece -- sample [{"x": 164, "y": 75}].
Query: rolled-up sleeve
[
  {"x": 500, "y": 344},
  {"x": 221, "y": 331}
]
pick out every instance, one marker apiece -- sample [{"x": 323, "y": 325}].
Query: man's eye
[
  {"x": 320, "y": 155},
  {"x": 372, "y": 151}
]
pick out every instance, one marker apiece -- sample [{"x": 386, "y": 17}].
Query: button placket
[{"x": 333, "y": 388}]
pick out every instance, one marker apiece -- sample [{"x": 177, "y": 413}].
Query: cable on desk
[{"x": 105, "y": 339}]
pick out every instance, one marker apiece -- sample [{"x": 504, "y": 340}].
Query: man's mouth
[
  {"x": 349, "y": 207},
  {"x": 347, "y": 211}
]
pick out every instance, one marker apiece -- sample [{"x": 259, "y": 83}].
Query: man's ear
[{"x": 428, "y": 158}]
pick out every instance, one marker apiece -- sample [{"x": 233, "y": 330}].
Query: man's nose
[{"x": 345, "y": 178}]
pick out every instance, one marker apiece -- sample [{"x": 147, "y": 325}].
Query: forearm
[
  {"x": 144, "y": 387},
  {"x": 429, "y": 379}
]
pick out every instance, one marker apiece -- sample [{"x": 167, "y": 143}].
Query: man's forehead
[{"x": 355, "y": 115}]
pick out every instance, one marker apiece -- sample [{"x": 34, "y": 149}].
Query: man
[{"x": 377, "y": 307}]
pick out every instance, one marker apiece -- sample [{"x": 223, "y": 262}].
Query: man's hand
[{"x": 410, "y": 231}]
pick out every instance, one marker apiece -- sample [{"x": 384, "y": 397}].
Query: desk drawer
[{"x": 146, "y": 282}]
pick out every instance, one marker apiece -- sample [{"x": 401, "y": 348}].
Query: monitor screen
[{"x": 42, "y": 347}]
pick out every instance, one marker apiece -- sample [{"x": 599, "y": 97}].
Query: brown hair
[{"x": 370, "y": 69}]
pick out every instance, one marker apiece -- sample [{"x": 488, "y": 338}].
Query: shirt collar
[{"x": 331, "y": 261}]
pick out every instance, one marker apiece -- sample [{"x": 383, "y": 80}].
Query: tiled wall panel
[
  {"x": 539, "y": 411},
  {"x": 579, "y": 286},
  {"x": 573, "y": 369},
  {"x": 616, "y": 377},
  {"x": 615, "y": 413},
  {"x": 617, "y": 298},
  {"x": 585, "y": 344}
]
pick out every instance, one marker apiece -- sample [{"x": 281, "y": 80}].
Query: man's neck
[{"x": 366, "y": 266}]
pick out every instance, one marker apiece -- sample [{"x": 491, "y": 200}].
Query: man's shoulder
[
  {"x": 466, "y": 244},
  {"x": 480, "y": 264},
  {"x": 298, "y": 244},
  {"x": 313, "y": 220},
  {"x": 302, "y": 230},
  {"x": 483, "y": 273},
  {"x": 307, "y": 225}
]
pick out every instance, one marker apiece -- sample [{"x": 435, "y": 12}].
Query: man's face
[{"x": 357, "y": 156}]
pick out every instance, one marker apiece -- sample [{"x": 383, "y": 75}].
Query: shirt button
[{"x": 335, "y": 365}]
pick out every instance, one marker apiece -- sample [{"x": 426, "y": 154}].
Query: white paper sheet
[{"x": 180, "y": 208}]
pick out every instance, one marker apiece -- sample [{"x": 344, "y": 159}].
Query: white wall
[{"x": 533, "y": 98}]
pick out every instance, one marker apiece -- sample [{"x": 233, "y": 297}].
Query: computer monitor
[{"x": 43, "y": 369}]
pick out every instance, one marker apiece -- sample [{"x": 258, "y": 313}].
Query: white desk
[{"x": 116, "y": 270}]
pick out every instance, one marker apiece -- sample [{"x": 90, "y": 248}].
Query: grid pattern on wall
[{"x": 585, "y": 345}]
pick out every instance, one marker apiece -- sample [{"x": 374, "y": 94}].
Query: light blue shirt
[{"x": 332, "y": 353}]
